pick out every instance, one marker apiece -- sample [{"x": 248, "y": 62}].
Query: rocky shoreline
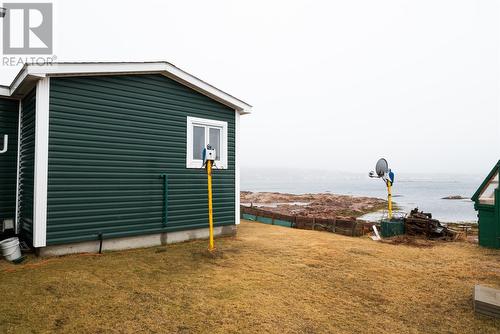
[{"x": 323, "y": 205}]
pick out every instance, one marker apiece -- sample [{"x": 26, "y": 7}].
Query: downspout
[
  {"x": 100, "y": 235},
  {"x": 5, "y": 144},
  {"x": 165, "y": 199}
]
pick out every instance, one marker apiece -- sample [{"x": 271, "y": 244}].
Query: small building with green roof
[{"x": 487, "y": 203}]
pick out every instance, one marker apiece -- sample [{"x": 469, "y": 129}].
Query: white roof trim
[
  {"x": 167, "y": 69},
  {"x": 5, "y": 91}
]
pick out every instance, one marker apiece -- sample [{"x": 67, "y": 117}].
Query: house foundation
[{"x": 141, "y": 241}]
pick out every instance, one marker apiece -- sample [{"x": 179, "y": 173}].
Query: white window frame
[{"x": 206, "y": 123}]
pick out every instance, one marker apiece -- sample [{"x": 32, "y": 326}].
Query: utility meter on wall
[{"x": 208, "y": 154}]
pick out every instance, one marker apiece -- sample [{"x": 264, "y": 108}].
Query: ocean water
[{"x": 424, "y": 191}]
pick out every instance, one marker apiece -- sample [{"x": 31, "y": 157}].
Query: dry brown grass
[{"x": 268, "y": 279}]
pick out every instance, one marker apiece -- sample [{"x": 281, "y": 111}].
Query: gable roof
[
  {"x": 485, "y": 182},
  {"x": 31, "y": 73}
]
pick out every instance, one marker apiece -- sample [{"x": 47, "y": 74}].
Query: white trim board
[
  {"x": 167, "y": 69},
  {"x": 18, "y": 171},
  {"x": 237, "y": 168},
  {"x": 5, "y": 91},
  {"x": 41, "y": 163}
]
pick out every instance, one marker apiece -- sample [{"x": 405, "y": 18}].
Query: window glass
[
  {"x": 198, "y": 142},
  {"x": 488, "y": 194},
  {"x": 214, "y": 141}
]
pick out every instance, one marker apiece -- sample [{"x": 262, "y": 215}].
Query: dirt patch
[
  {"x": 214, "y": 254},
  {"x": 323, "y": 205},
  {"x": 410, "y": 241}
]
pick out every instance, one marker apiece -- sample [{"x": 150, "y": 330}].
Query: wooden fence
[{"x": 340, "y": 225}]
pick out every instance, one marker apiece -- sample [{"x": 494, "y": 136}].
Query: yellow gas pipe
[
  {"x": 210, "y": 213},
  {"x": 389, "y": 199}
]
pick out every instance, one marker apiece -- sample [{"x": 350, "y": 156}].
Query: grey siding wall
[
  {"x": 27, "y": 163},
  {"x": 9, "y": 112},
  {"x": 110, "y": 138}
]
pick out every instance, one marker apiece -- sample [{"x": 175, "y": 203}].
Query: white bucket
[{"x": 10, "y": 249}]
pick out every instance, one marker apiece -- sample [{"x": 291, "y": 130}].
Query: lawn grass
[{"x": 269, "y": 279}]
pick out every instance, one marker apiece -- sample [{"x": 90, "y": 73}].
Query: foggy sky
[{"x": 334, "y": 84}]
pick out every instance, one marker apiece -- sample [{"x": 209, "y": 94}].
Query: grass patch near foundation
[{"x": 267, "y": 279}]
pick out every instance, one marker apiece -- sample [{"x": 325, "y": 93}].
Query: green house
[
  {"x": 487, "y": 203},
  {"x": 111, "y": 153}
]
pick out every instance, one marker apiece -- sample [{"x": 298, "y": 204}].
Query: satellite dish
[
  {"x": 381, "y": 168},
  {"x": 382, "y": 172}
]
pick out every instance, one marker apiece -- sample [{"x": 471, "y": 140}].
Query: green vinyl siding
[
  {"x": 489, "y": 227},
  {"x": 110, "y": 140},
  {"x": 489, "y": 222},
  {"x": 27, "y": 163},
  {"x": 9, "y": 113}
]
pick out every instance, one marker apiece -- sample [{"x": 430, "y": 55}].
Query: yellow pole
[
  {"x": 389, "y": 199},
  {"x": 210, "y": 213}
]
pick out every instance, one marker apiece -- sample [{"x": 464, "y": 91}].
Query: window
[
  {"x": 487, "y": 195},
  {"x": 202, "y": 132}
]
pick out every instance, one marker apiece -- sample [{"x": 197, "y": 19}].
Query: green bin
[{"x": 392, "y": 228}]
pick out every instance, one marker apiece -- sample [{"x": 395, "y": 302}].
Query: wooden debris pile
[
  {"x": 420, "y": 223},
  {"x": 340, "y": 225}
]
